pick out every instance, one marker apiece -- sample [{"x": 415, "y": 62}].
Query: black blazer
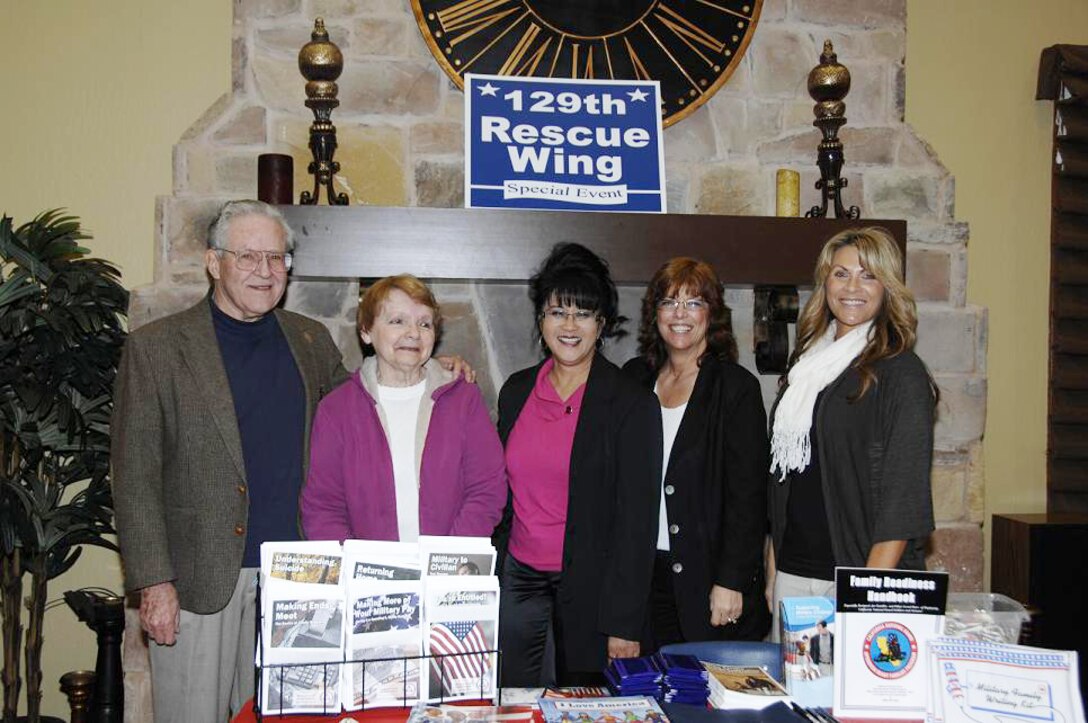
[
  {"x": 718, "y": 471},
  {"x": 608, "y": 545}
]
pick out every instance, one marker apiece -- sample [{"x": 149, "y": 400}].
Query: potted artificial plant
[{"x": 61, "y": 331}]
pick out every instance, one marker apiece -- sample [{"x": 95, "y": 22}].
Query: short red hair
[{"x": 379, "y": 291}]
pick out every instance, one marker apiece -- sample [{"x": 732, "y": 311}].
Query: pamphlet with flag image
[{"x": 461, "y": 636}]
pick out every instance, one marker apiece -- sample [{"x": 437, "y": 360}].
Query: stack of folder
[
  {"x": 666, "y": 677},
  {"x": 684, "y": 678},
  {"x": 634, "y": 676}
]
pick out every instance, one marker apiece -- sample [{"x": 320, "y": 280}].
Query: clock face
[{"x": 690, "y": 46}]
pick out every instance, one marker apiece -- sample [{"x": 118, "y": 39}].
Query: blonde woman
[{"x": 852, "y": 428}]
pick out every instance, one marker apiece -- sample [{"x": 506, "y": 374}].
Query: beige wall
[
  {"x": 95, "y": 95},
  {"x": 971, "y": 72}
]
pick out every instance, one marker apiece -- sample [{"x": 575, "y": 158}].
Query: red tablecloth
[
  {"x": 399, "y": 715},
  {"x": 374, "y": 715}
]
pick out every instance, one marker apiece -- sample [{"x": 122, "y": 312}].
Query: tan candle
[{"x": 788, "y": 196}]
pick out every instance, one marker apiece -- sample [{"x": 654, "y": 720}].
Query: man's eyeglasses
[
  {"x": 582, "y": 317},
  {"x": 689, "y": 304},
  {"x": 247, "y": 260}
]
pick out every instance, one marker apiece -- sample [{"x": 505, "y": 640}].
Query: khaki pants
[{"x": 208, "y": 674}]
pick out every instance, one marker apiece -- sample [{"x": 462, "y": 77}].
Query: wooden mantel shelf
[{"x": 508, "y": 245}]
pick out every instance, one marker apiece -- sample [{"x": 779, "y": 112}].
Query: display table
[
  {"x": 372, "y": 715},
  {"x": 677, "y": 713}
]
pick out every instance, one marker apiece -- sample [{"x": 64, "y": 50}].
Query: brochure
[
  {"x": 583, "y": 691},
  {"x": 885, "y": 619},
  {"x": 302, "y": 626},
  {"x": 301, "y": 688},
  {"x": 739, "y": 686},
  {"x": 626, "y": 709},
  {"x": 978, "y": 682},
  {"x": 462, "y": 625},
  {"x": 807, "y": 632},
  {"x": 433, "y": 713},
  {"x": 381, "y": 560},
  {"x": 440, "y": 556},
  {"x": 386, "y": 632}
]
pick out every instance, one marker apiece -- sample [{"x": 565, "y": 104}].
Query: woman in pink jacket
[{"x": 403, "y": 448}]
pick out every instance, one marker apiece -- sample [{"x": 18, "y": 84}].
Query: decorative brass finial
[
  {"x": 78, "y": 687},
  {"x": 321, "y": 62},
  {"x": 828, "y": 84}
]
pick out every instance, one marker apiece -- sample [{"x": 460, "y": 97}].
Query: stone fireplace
[{"x": 400, "y": 135}]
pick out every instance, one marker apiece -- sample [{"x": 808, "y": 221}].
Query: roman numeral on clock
[
  {"x": 464, "y": 19},
  {"x": 688, "y": 31},
  {"x": 521, "y": 61}
]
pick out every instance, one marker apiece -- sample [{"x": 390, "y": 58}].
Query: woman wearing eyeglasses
[
  {"x": 583, "y": 451},
  {"x": 708, "y": 574}
]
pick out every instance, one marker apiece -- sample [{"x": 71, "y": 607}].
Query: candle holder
[
  {"x": 78, "y": 687},
  {"x": 828, "y": 84},
  {"x": 321, "y": 62},
  {"x": 104, "y": 613}
]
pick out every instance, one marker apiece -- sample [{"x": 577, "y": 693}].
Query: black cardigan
[
  {"x": 611, "y": 529},
  {"x": 718, "y": 471},
  {"x": 875, "y": 458}
]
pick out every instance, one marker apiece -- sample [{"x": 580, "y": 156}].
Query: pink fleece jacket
[{"x": 349, "y": 491}]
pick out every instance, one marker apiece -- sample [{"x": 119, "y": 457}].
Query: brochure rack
[{"x": 322, "y": 669}]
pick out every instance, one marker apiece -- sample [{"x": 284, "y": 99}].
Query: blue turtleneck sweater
[{"x": 270, "y": 405}]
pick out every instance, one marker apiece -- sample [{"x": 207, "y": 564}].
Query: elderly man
[{"x": 210, "y": 437}]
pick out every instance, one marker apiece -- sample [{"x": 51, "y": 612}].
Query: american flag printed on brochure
[
  {"x": 463, "y": 673},
  {"x": 462, "y": 625}
]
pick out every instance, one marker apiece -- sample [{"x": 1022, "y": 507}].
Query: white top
[
  {"x": 401, "y": 408},
  {"x": 670, "y": 425}
]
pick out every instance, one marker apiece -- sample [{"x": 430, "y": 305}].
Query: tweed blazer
[{"x": 179, "y": 480}]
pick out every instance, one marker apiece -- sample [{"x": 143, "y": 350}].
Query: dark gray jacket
[{"x": 875, "y": 459}]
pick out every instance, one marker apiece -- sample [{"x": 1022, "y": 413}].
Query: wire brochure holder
[{"x": 286, "y": 677}]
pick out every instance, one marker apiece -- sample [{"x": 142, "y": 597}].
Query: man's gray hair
[{"x": 220, "y": 227}]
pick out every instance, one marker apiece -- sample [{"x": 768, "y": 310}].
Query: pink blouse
[{"x": 538, "y": 467}]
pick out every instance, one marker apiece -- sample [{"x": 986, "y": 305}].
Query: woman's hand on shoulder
[{"x": 458, "y": 365}]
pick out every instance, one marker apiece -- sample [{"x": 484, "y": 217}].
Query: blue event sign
[{"x": 591, "y": 145}]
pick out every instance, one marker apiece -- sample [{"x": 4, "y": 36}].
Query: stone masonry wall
[{"x": 400, "y": 135}]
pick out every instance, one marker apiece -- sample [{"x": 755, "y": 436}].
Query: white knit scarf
[{"x": 822, "y": 364}]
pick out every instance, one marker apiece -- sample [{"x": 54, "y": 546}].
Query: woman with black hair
[{"x": 583, "y": 458}]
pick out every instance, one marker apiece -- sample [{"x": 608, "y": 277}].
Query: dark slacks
[
  {"x": 663, "y": 627},
  {"x": 663, "y": 621},
  {"x": 531, "y": 630}
]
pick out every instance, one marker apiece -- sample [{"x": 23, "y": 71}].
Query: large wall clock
[{"x": 691, "y": 46}]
